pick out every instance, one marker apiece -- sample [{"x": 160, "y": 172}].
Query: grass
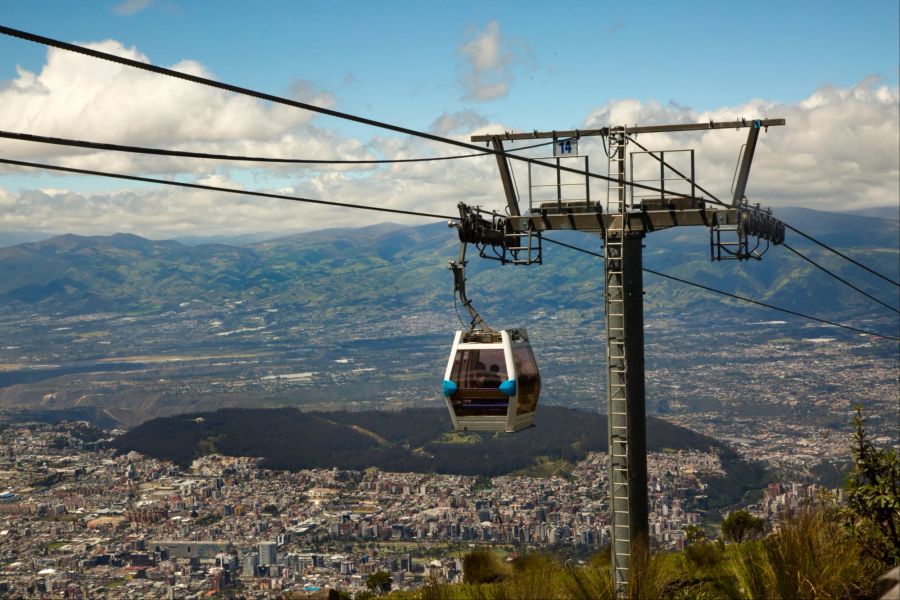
[
  {"x": 811, "y": 556},
  {"x": 454, "y": 437}
]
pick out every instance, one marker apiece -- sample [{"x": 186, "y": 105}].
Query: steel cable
[
  {"x": 839, "y": 278},
  {"x": 715, "y": 200},
  {"x": 200, "y": 186},
  {"x": 31, "y": 37},
  {"x": 413, "y": 213},
  {"x": 28, "y": 137},
  {"x": 730, "y": 295}
]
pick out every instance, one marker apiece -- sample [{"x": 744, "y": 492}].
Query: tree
[
  {"x": 379, "y": 582},
  {"x": 740, "y": 526},
  {"x": 693, "y": 534},
  {"x": 873, "y": 497}
]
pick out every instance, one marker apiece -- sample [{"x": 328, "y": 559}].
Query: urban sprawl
[{"x": 78, "y": 521}]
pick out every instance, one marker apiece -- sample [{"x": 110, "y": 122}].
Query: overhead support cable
[
  {"x": 771, "y": 306},
  {"x": 365, "y": 121},
  {"x": 28, "y": 137},
  {"x": 735, "y": 296},
  {"x": 715, "y": 200},
  {"x": 839, "y": 278},
  {"x": 406, "y": 212},
  {"x": 213, "y": 188},
  {"x": 841, "y": 254},
  {"x": 31, "y": 37},
  {"x": 346, "y": 116}
]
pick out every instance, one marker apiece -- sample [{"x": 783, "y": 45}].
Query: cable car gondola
[{"x": 492, "y": 381}]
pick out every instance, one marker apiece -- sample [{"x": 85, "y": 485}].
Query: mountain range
[
  {"x": 398, "y": 270},
  {"x": 363, "y": 319}
]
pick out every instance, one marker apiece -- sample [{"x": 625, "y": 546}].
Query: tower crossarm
[
  {"x": 604, "y": 131},
  {"x": 646, "y": 220},
  {"x": 738, "y": 231}
]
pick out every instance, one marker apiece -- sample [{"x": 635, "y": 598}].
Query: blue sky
[
  {"x": 399, "y": 60},
  {"x": 519, "y": 65}
]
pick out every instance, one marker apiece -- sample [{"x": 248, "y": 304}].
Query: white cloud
[
  {"x": 130, "y": 7},
  {"x": 487, "y": 71},
  {"x": 308, "y": 92},
  {"x": 79, "y": 97},
  {"x": 127, "y": 8},
  {"x": 7, "y": 200},
  {"x": 458, "y": 122},
  {"x": 839, "y": 150}
]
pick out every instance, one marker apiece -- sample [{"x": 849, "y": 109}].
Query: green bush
[
  {"x": 704, "y": 555},
  {"x": 534, "y": 577},
  {"x": 590, "y": 582},
  {"x": 872, "y": 514},
  {"x": 741, "y": 526},
  {"x": 379, "y": 582},
  {"x": 482, "y": 566},
  {"x": 812, "y": 556}
]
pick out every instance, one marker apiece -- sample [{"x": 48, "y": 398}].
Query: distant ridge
[{"x": 388, "y": 268}]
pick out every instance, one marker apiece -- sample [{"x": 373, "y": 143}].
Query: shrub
[
  {"x": 648, "y": 575},
  {"x": 591, "y": 582},
  {"x": 741, "y": 526},
  {"x": 482, "y": 566},
  {"x": 704, "y": 555},
  {"x": 873, "y": 497},
  {"x": 812, "y": 556},
  {"x": 379, "y": 582},
  {"x": 535, "y": 577}
]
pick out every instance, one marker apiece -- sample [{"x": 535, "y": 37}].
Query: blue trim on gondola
[
  {"x": 508, "y": 387},
  {"x": 449, "y": 388}
]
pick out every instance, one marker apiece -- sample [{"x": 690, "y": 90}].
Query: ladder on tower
[
  {"x": 524, "y": 245},
  {"x": 617, "y": 365}
]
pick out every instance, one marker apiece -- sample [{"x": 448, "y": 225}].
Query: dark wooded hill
[
  {"x": 409, "y": 440},
  {"x": 418, "y": 440}
]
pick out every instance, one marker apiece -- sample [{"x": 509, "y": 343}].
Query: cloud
[
  {"x": 78, "y": 97},
  {"x": 463, "y": 121},
  {"x": 839, "y": 151},
  {"x": 487, "y": 70},
  {"x": 126, "y": 8},
  {"x": 306, "y": 91},
  {"x": 7, "y": 200},
  {"x": 129, "y": 7}
]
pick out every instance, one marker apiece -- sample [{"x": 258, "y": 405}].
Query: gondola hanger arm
[{"x": 458, "y": 267}]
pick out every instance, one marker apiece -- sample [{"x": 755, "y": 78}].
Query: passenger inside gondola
[
  {"x": 478, "y": 392},
  {"x": 493, "y": 380}
]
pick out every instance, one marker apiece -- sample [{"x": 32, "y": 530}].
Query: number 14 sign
[{"x": 568, "y": 147}]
